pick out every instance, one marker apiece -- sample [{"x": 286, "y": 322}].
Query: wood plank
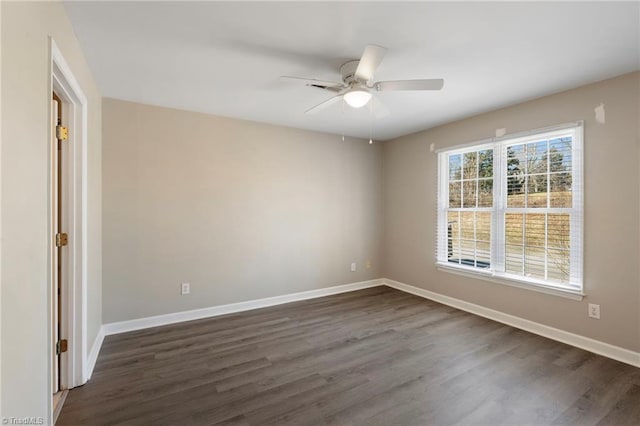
[{"x": 374, "y": 356}]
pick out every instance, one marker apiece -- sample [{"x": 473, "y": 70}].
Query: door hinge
[
  {"x": 61, "y": 346},
  {"x": 62, "y": 133},
  {"x": 61, "y": 239}
]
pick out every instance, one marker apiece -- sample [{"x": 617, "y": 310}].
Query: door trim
[{"x": 74, "y": 295}]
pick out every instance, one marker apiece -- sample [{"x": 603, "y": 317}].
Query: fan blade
[
  {"x": 369, "y": 62},
  {"x": 314, "y": 82},
  {"x": 427, "y": 84},
  {"x": 323, "y": 105}
]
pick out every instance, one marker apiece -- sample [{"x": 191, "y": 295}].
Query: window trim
[
  {"x": 521, "y": 282},
  {"x": 571, "y": 291}
]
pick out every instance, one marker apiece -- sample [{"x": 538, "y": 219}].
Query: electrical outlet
[
  {"x": 594, "y": 311},
  {"x": 185, "y": 288},
  {"x": 353, "y": 267},
  {"x": 368, "y": 264}
]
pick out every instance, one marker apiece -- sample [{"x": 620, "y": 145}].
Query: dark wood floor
[{"x": 376, "y": 356}]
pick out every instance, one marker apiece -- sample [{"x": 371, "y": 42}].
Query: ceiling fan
[{"x": 357, "y": 84}]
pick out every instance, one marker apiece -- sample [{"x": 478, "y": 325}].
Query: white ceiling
[{"x": 225, "y": 58}]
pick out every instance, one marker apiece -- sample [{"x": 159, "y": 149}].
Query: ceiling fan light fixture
[{"x": 357, "y": 98}]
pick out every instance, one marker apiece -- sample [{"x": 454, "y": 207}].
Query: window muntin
[{"x": 513, "y": 208}]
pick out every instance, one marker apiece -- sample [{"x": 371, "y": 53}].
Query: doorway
[
  {"x": 59, "y": 207},
  {"x": 68, "y": 364}
]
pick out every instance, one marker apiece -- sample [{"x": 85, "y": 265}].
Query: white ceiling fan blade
[
  {"x": 323, "y": 105},
  {"x": 426, "y": 84},
  {"x": 313, "y": 81},
  {"x": 369, "y": 62}
]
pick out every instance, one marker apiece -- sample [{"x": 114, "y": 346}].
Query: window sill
[{"x": 525, "y": 284}]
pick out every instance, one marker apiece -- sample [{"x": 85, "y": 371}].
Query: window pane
[
  {"x": 537, "y": 157},
  {"x": 453, "y": 236},
  {"x": 515, "y": 191},
  {"x": 515, "y": 160},
  {"x": 467, "y": 225},
  {"x": 560, "y": 154},
  {"x": 537, "y": 191},
  {"x": 469, "y": 187},
  {"x": 534, "y": 259},
  {"x": 560, "y": 184},
  {"x": 453, "y": 225},
  {"x": 455, "y": 167},
  {"x": 455, "y": 194},
  {"x": 483, "y": 254},
  {"x": 558, "y": 266},
  {"x": 514, "y": 230},
  {"x": 514, "y": 259},
  {"x": 468, "y": 238},
  {"x": 485, "y": 158},
  {"x": 454, "y": 251},
  {"x": 485, "y": 193},
  {"x": 467, "y": 250},
  {"x": 483, "y": 226},
  {"x": 534, "y": 234},
  {"x": 558, "y": 230},
  {"x": 470, "y": 165}
]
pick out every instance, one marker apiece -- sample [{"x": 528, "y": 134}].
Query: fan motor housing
[{"x": 348, "y": 71}]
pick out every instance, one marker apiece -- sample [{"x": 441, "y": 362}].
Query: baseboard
[
  {"x": 158, "y": 320},
  {"x": 93, "y": 355},
  {"x": 605, "y": 349}
]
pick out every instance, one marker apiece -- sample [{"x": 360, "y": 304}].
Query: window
[{"x": 512, "y": 208}]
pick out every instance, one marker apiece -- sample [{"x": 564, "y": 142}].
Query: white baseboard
[
  {"x": 158, "y": 320},
  {"x": 605, "y": 349},
  {"x": 93, "y": 355}
]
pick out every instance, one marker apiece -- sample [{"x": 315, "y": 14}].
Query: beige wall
[
  {"x": 612, "y": 214},
  {"x": 638, "y": 145},
  {"x": 26, "y": 94},
  {"x": 240, "y": 210}
]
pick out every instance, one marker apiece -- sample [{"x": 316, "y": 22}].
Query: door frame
[
  {"x": 74, "y": 292},
  {"x": 58, "y": 199}
]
